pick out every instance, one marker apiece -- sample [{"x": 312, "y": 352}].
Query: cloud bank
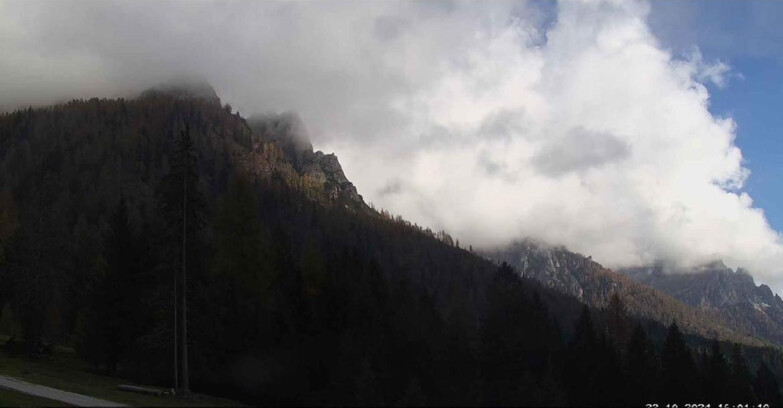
[{"x": 566, "y": 122}]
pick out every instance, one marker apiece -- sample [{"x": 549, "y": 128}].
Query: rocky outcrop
[
  {"x": 274, "y": 145},
  {"x": 326, "y": 169},
  {"x": 283, "y": 147},
  {"x": 722, "y": 292},
  {"x": 579, "y": 276}
]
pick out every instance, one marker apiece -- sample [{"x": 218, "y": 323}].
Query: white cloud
[{"x": 487, "y": 119}]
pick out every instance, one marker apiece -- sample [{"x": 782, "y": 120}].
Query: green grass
[
  {"x": 10, "y": 398},
  {"x": 64, "y": 371}
]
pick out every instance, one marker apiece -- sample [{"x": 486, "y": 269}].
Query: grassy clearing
[
  {"x": 64, "y": 371},
  {"x": 10, "y": 398}
]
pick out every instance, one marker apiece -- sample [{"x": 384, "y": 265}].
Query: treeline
[
  {"x": 291, "y": 301},
  {"x": 620, "y": 366}
]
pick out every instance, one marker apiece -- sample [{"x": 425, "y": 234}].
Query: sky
[
  {"x": 633, "y": 132},
  {"x": 746, "y": 35}
]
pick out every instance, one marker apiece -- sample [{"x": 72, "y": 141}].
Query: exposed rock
[
  {"x": 287, "y": 131},
  {"x": 718, "y": 290},
  {"x": 585, "y": 279},
  {"x": 282, "y": 142},
  {"x": 278, "y": 144},
  {"x": 334, "y": 181}
]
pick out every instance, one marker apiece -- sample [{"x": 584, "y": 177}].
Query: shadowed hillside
[
  {"x": 727, "y": 295},
  {"x": 298, "y": 293},
  {"x": 581, "y": 277}
]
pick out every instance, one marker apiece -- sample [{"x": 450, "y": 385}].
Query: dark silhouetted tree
[
  {"x": 517, "y": 339},
  {"x": 678, "y": 369},
  {"x": 716, "y": 375},
  {"x": 617, "y": 322},
  {"x": 582, "y": 363},
  {"x": 641, "y": 368},
  {"x": 740, "y": 386},
  {"x": 766, "y": 387},
  {"x": 115, "y": 315},
  {"x": 182, "y": 208}
]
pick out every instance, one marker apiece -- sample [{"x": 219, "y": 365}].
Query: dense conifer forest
[{"x": 296, "y": 297}]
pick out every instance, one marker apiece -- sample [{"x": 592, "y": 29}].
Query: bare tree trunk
[
  {"x": 176, "y": 331},
  {"x": 183, "y": 324}
]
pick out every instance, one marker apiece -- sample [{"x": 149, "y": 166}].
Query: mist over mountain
[
  {"x": 299, "y": 293},
  {"x": 399, "y": 203},
  {"x": 576, "y": 275},
  {"x": 185, "y": 88},
  {"x": 567, "y": 122},
  {"x": 731, "y": 296}
]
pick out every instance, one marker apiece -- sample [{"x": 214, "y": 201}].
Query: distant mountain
[
  {"x": 574, "y": 274},
  {"x": 717, "y": 290}
]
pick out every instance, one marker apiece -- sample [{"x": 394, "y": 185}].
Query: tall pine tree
[
  {"x": 740, "y": 387},
  {"x": 679, "y": 371},
  {"x": 716, "y": 375},
  {"x": 766, "y": 387},
  {"x": 581, "y": 363},
  {"x": 641, "y": 368},
  {"x": 182, "y": 208},
  {"x": 113, "y": 320}
]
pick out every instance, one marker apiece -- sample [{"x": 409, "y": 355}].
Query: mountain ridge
[
  {"x": 716, "y": 289},
  {"x": 579, "y": 276}
]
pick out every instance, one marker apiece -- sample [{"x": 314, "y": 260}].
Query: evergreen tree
[
  {"x": 9, "y": 223},
  {"x": 679, "y": 372},
  {"x": 113, "y": 321},
  {"x": 740, "y": 386},
  {"x": 182, "y": 208},
  {"x": 37, "y": 269},
  {"x": 608, "y": 373},
  {"x": 766, "y": 387},
  {"x": 413, "y": 397},
  {"x": 239, "y": 243},
  {"x": 617, "y": 322},
  {"x": 641, "y": 368},
  {"x": 550, "y": 390},
  {"x": 507, "y": 339},
  {"x": 716, "y": 375},
  {"x": 366, "y": 386},
  {"x": 581, "y": 363}
]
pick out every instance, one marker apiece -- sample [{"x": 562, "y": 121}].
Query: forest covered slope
[
  {"x": 293, "y": 282},
  {"x": 729, "y": 295},
  {"x": 298, "y": 292},
  {"x": 581, "y": 277}
]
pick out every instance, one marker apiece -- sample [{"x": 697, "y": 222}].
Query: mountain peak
[
  {"x": 183, "y": 89},
  {"x": 286, "y": 133},
  {"x": 286, "y": 128},
  {"x": 573, "y": 274},
  {"x": 730, "y": 295}
]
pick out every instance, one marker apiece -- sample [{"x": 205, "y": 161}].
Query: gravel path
[{"x": 55, "y": 394}]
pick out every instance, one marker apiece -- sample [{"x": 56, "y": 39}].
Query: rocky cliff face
[
  {"x": 590, "y": 282},
  {"x": 277, "y": 145},
  {"x": 722, "y": 292},
  {"x": 282, "y": 146}
]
